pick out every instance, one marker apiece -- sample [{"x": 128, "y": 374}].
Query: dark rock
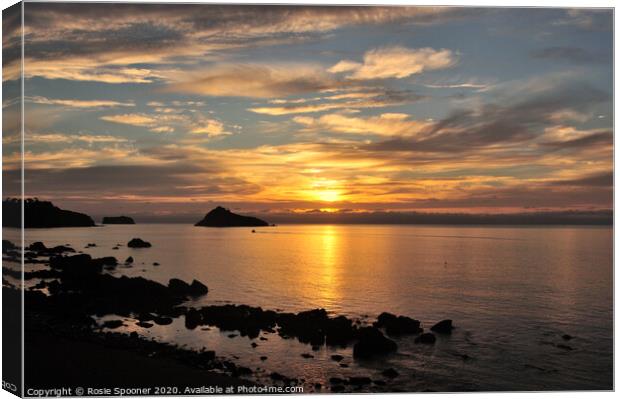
[
  {"x": 397, "y": 325},
  {"x": 37, "y": 246},
  {"x": 567, "y": 337},
  {"x": 379, "y": 382},
  {"x": 343, "y": 365},
  {"x": 144, "y": 324},
  {"x": 163, "y": 321},
  {"x": 138, "y": 243},
  {"x": 307, "y": 356},
  {"x": 7, "y": 246},
  {"x": 443, "y": 327},
  {"x": 133, "y": 335},
  {"x": 198, "y": 289},
  {"x": 337, "y": 358},
  {"x": 76, "y": 265},
  {"x": 336, "y": 381},
  {"x": 155, "y": 264},
  {"x": 263, "y": 358},
  {"x": 390, "y": 373},
  {"x": 117, "y": 220},
  {"x": 372, "y": 343},
  {"x": 232, "y": 335},
  {"x": 129, "y": 260},
  {"x": 182, "y": 289},
  {"x": 263, "y": 339},
  {"x": 359, "y": 380},
  {"x": 41, "y": 214},
  {"x": 277, "y": 376},
  {"x": 565, "y": 347},
  {"x": 337, "y": 388},
  {"x": 193, "y": 319},
  {"x": 254, "y": 344},
  {"x": 318, "y": 385},
  {"x": 426, "y": 338},
  {"x": 112, "y": 324},
  {"x": 221, "y": 217}
]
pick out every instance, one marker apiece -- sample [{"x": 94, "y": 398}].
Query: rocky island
[
  {"x": 41, "y": 214},
  {"x": 222, "y": 217},
  {"x": 117, "y": 220}
]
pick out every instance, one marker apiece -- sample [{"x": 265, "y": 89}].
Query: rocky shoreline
[{"x": 76, "y": 289}]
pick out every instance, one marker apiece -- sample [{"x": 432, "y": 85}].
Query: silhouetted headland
[
  {"x": 41, "y": 214},
  {"x": 222, "y": 217},
  {"x": 117, "y": 220}
]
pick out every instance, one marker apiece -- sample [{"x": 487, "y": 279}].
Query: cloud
[
  {"x": 352, "y": 100},
  {"x": 395, "y": 62},
  {"x": 170, "y": 120},
  {"x": 79, "y": 103},
  {"x": 387, "y": 124},
  {"x": 253, "y": 80},
  {"x": 575, "y": 55}
]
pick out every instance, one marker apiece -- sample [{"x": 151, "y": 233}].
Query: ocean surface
[{"x": 512, "y": 292}]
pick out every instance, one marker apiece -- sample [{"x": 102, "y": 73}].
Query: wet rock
[
  {"x": 198, "y": 289},
  {"x": 37, "y": 246},
  {"x": 336, "y": 381},
  {"x": 232, "y": 335},
  {"x": 339, "y": 331},
  {"x": 277, "y": 376},
  {"x": 263, "y": 339},
  {"x": 144, "y": 324},
  {"x": 90, "y": 245},
  {"x": 138, "y": 243},
  {"x": 263, "y": 358},
  {"x": 112, "y": 324},
  {"x": 163, "y": 321},
  {"x": 397, "y": 325},
  {"x": 565, "y": 347},
  {"x": 307, "y": 356},
  {"x": 254, "y": 344},
  {"x": 390, "y": 373},
  {"x": 155, "y": 264},
  {"x": 8, "y": 246},
  {"x": 193, "y": 319},
  {"x": 337, "y": 388},
  {"x": 426, "y": 338},
  {"x": 343, "y": 365},
  {"x": 379, "y": 382},
  {"x": 129, "y": 260},
  {"x": 372, "y": 343},
  {"x": 318, "y": 385},
  {"x": 359, "y": 381},
  {"x": 443, "y": 327},
  {"x": 76, "y": 265},
  {"x": 567, "y": 337},
  {"x": 182, "y": 289},
  {"x": 337, "y": 358},
  {"x": 242, "y": 371}
]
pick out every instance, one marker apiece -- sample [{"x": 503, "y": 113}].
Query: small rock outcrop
[
  {"x": 41, "y": 214},
  {"x": 372, "y": 343},
  {"x": 443, "y": 327},
  {"x": 138, "y": 243},
  {"x": 426, "y": 338},
  {"x": 117, "y": 220},
  {"x": 397, "y": 325},
  {"x": 222, "y": 217}
]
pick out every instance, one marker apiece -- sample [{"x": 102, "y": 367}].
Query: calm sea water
[{"x": 511, "y": 291}]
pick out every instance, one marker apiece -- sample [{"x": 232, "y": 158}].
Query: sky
[{"x": 164, "y": 111}]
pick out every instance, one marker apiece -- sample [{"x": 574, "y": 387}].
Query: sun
[{"x": 327, "y": 195}]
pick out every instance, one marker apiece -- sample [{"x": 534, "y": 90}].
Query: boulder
[
  {"x": 138, "y": 243},
  {"x": 372, "y": 343},
  {"x": 198, "y": 289},
  {"x": 397, "y": 325},
  {"x": 129, "y": 260},
  {"x": 443, "y": 327},
  {"x": 426, "y": 338}
]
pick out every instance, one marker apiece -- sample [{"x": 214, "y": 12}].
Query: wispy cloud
[{"x": 395, "y": 62}]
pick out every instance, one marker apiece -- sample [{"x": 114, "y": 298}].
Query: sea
[{"x": 532, "y": 306}]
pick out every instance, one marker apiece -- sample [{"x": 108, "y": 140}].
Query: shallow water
[{"x": 511, "y": 291}]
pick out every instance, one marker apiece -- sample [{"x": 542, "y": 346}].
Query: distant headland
[
  {"x": 41, "y": 214},
  {"x": 222, "y": 217},
  {"x": 117, "y": 220}
]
